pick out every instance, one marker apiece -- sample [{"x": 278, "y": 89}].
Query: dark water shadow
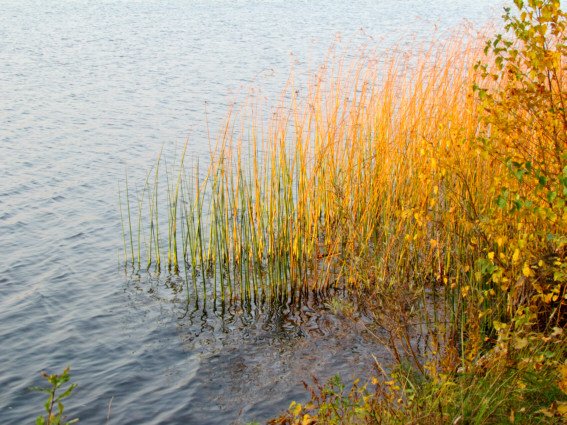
[{"x": 250, "y": 360}]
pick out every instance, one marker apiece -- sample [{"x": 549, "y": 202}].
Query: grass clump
[
  {"x": 496, "y": 395},
  {"x": 348, "y": 178}
]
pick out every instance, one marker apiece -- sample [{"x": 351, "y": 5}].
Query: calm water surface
[{"x": 90, "y": 87}]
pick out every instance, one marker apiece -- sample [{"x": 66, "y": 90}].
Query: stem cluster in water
[{"x": 349, "y": 175}]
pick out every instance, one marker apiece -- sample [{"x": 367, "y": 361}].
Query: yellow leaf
[
  {"x": 491, "y": 256},
  {"x": 516, "y": 256},
  {"x": 563, "y": 378},
  {"x": 306, "y": 419},
  {"x": 499, "y": 325},
  {"x": 547, "y": 413},
  {"x": 520, "y": 343},
  {"x": 527, "y": 271},
  {"x": 295, "y": 408}
]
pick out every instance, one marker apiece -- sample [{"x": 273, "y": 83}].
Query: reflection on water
[
  {"x": 254, "y": 358},
  {"x": 88, "y": 88}
]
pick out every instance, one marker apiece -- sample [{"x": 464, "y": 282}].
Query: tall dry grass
[{"x": 370, "y": 178}]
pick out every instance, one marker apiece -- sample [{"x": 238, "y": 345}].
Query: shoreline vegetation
[{"x": 433, "y": 190}]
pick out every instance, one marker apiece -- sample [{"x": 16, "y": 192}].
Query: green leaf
[
  {"x": 501, "y": 202},
  {"x": 518, "y": 204},
  {"x": 40, "y": 389},
  {"x": 67, "y": 393}
]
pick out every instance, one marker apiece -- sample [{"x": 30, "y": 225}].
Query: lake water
[{"x": 90, "y": 87}]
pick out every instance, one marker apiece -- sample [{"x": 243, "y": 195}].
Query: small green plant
[
  {"x": 54, "y": 404},
  {"x": 332, "y": 404}
]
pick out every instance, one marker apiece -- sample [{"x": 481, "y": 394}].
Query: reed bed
[
  {"x": 370, "y": 178},
  {"x": 430, "y": 186}
]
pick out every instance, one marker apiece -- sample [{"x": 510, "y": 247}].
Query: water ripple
[{"x": 89, "y": 88}]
